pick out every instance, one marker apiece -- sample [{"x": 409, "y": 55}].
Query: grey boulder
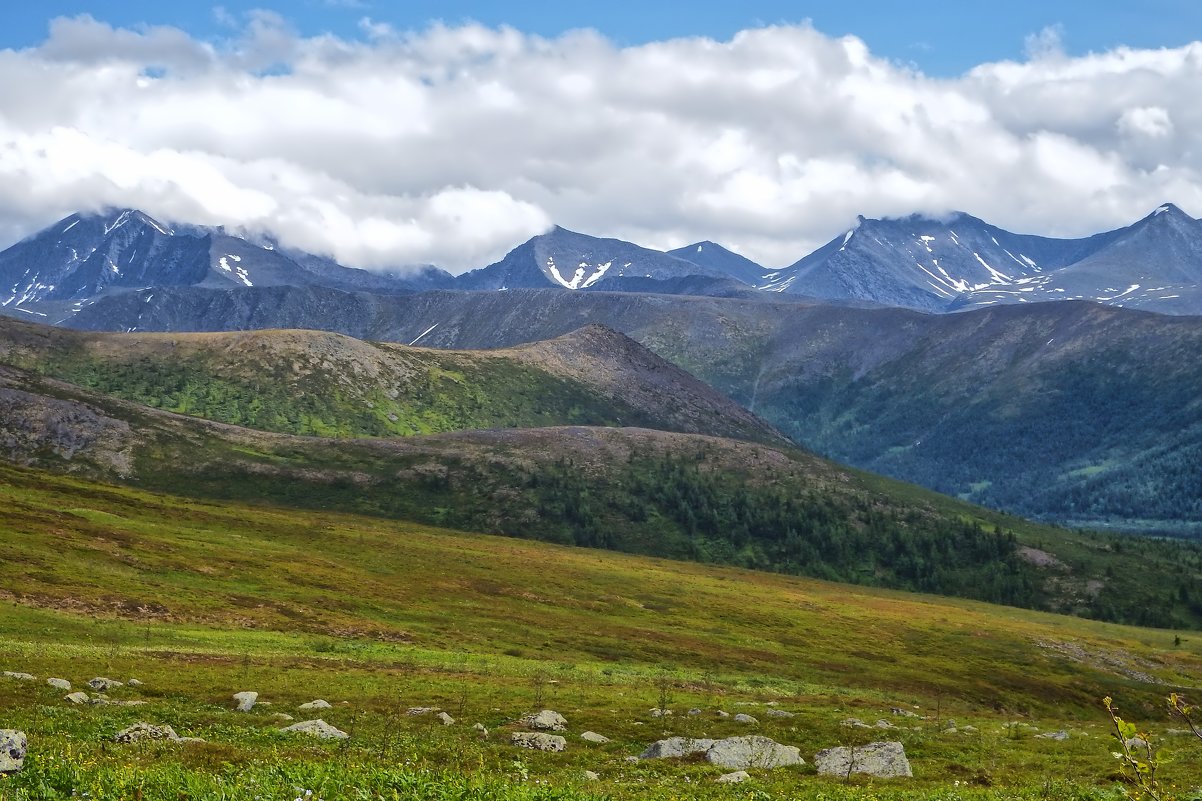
[
  {"x": 593, "y": 737},
  {"x": 742, "y": 718},
  {"x": 78, "y": 698},
  {"x": 61, "y": 684},
  {"x": 546, "y": 720},
  {"x": 676, "y": 747},
  {"x": 145, "y": 731},
  {"x": 752, "y": 751},
  {"x": 13, "y": 746},
  {"x": 103, "y": 685},
  {"x": 738, "y": 777},
  {"x": 318, "y": 704},
  {"x": 316, "y": 728},
  {"x": 13, "y": 674},
  {"x": 886, "y": 760},
  {"x": 538, "y": 741},
  {"x": 246, "y": 700}
]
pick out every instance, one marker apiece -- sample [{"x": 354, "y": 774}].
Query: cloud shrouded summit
[{"x": 452, "y": 144}]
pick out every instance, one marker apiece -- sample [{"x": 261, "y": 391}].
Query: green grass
[{"x": 200, "y": 600}]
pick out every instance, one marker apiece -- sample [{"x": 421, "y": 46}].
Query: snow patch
[
  {"x": 70, "y": 226},
  {"x": 422, "y": 334},
  {"x": 1160, "y": 211},
  {"x": 999, "y": 278},
  {"x": 235, "y": 270}
]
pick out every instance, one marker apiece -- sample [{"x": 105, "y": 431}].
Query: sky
[{"x": 385, "y": 134}]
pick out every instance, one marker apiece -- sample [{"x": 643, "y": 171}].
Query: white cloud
[{"x": 452, "y": 144}]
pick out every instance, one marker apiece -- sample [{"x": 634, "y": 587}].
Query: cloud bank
[{"x": 451, "y": 145}]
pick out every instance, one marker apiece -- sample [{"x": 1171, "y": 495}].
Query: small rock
[
  {"x": 738, "y": 777},
  {"x": 676, "y": 747},
  {"x": 1053, "y": 735},
  {"x": 103, "y": 685},
  {"x": 969, "y": 729},
  {"x": 590, "y": 776},
  {"x": 99, "y": 700},
  {"x": 631, "y": 760},
  {"x": 318, "y": 704},
  {"x": 145, "y": 731},
  {"x": 538, "y": 741},
  {"x": 246, "y": 700},
  {"x": 128, "y": 703},
  {"x": 854, "y": 723},
  {"x": 546, "y": 720},
  {"x": 282, "y": 716},
  {"x": 723, "y": 714},
  {"x": 593, "y": 737},
  {"x": 903, "y": 713},
  {"x": 316, "y": 728},
  {"x": 480, "y": 727},
  {"x": 881, "y": 760},
  {"x": 134, "y": 683},
  {"x": 660, "y": 713},
  {"x": 61, "y": 684},
  {"x": 1136, "y": 744},
  {"x": 420, "y": 710},
  {"x": 12, "y": 674},
  {"x": 13, "y": 746},
  {"x": 779, "y": 713},
  {"x": 883, "y": 724},
  {"x": 752, "y": 751},
  {"x": 694, "y": 711},
  {"x": 446, "y": 719},
  {"x": 742, "y": 718},
  {"x": 950, "y": 730},
  {"x": 78, "y": 698}
]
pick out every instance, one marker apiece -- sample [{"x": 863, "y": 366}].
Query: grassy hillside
[
  {"x": 321, "y": 384},
  {"x": 201, "y": 600},
  {"x": 674, "y": 495},
  {"x": 1072, "y": 411}
]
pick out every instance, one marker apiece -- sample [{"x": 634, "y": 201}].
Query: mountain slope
[
  {"x": 563, "y": 258},
  {"x": 676, "y": 495},
  {"x": 86, "y": 256},
  {"x": 306, "y": 382},
  {"x": 715, "y": 257}
]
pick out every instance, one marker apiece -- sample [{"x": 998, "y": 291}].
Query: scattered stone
[
  {"x": 881, "y": 760},
  {"x": 103, "y": 685},
  {"x": 61, "y": 684},
  {"x": 1053, "y": 735},
  {"x": 145, "y": 731},
  {"x": 590, "y": 776},
  {"x": 316, "y": 728},
  {"x": 480, "y": 727},
  {"x": 903, "y": 713},
  {"x": 446, "y": 719},
  {"x": 676, "y": 747},
  {"x": 538, "y": 741},
  {"x": 78, "y": 698},
  {"x": 694, "y": 711},
  {"x": 738, "y": 777},
  {"x": 883, "y": 724},
  {"x": 420, "y": 710},
  {"x": 969, "y": 729},
  {"x": 752, "y": 751},
  {"x": 546, "y": 720},
  {"x": 318, "y": 704},
  {"x": 779, "y": 713},
  {"x": 246, "y": 700},
  {"x": 723, "y": 714},
  {"x": 135, "y": 683},
  {"x": 1136, "y": 744},
  {"x": 854, "y": 723},
  {"x": 283, "y": 716},
  {"x": 741, "y": 718},
  {"x": 950, "y": 730},
  {"x": 12, "y": 674},
  {"x": 631, "y": 760},
  {"x": 593, "y": 737},
  {"x": 661, "y": 713},
  {"x": 13, "y": 745}
]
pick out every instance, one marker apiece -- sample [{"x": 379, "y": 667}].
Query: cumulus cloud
[{"x": 452, "y": 144}]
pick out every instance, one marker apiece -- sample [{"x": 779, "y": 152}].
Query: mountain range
[{"x": 923, "y": 263}]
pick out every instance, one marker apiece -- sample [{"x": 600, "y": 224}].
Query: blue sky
[{"x": 941, "y": 38}]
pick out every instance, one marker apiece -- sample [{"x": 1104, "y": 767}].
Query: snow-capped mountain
[
  {"x": 563, "y": 258},
  {"x": 962, "y": 262},
  {"x": 85, "y": 256},
  {"x": 1155, "y": 264}
]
